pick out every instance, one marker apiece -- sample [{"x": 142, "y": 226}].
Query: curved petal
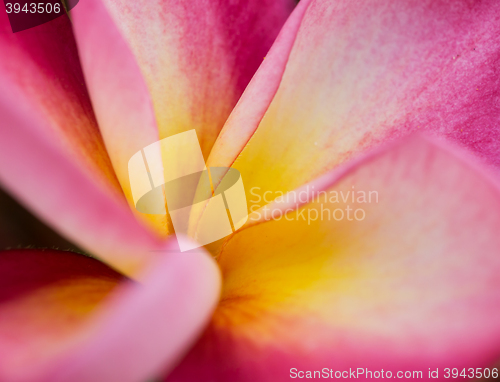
[
  {"x": 254, "y": 102},
  {"x": 46, "y": 296},
  {"x": 52, "y": 157},
  {"x": 119, "y": 94},
  {"x": 362, "y": 74},
  {"x": 405, "y": 280},
  {"x": 42, "y": 65},
  {"x": 196, "y": 59},
  {"x": 252, "y": 106},
  {"x": 59, "y": 317},
  {"x": 36, "y": 169}
]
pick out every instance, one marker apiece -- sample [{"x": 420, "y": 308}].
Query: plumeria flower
[{"x": 328, "y": 97}]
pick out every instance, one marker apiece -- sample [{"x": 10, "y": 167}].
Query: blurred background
[{"x": 20, "y": 229}]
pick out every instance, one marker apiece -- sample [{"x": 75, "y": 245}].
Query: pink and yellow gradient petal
[
  {"x": 67, "y": 317},
  {"x": 197, "y": 59},
  {"x": 363, "y": 74},
  {"x": 119, "y": 95},
  {"x": 410, "y": 284},
  {"x": 58, "y": 190},
  {"x": 158, "y": 68},
  {"x": 42, "y": 65},
  {"x": 45, "y": 297},
  {"x": 244, "y": 120}
]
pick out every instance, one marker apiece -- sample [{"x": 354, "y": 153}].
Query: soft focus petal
[
  {"x": 411, "y": 286},
  {"x": 119, "y": 94},
  {"x": 254, "y": 102},
  {"x": 56, "y": 188},
  {"x": 42, "y": 64},
  {"x": 52, "y": 157},
  {"x": 46, "y": 297},
  {"x": 252, "y": 105},
  {"x": 49, "y": 319},
  {"x": 197, "y": 58},
  {"x": 359, "y": 74},
  {"x": 194, "y": 58}
]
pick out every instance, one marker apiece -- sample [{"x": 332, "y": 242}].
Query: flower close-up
[{"x": 249, "y": 190}]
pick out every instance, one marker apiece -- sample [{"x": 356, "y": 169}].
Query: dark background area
[{"x": 20, "y": 229}]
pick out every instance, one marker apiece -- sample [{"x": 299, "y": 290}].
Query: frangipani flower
[{"x": 412, "y": 286}]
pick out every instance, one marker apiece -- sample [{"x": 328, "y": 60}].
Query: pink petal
[
  {"x": 42, "y": 65},
  {"x": 46, "y": 298},
  {"x": 119, "y": 94},
  {"x": 193, "y": 60},
  {"x": 134, "y": 334},
  {"x": 51, "y": 153},
  {"x": 198, "y": 58},
  {"x": 36, "y": 168},
  {"x": 359, "y": 75},
  {"x": 254, "y": 102},
  {"x": 411, "y": 286}
]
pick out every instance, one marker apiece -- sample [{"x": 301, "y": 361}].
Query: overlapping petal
[
  {"x": 252, "y": 105},
  {"x": 360, "y": 74},
  {"x": 159, "y": 68},
  {"x": 119, "y": 94},
  {"x": 198, "y": 58},
  {"x": 55, "y": 187},
  {"x": 52, "y": 157},
  {"x": 59, "y": 320},
  {"x": 260, "y": 92},
  {"x": 42, "y": 65},
  {"x": 405, "y": 280},
  {"x": 45, "y": 298}
]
